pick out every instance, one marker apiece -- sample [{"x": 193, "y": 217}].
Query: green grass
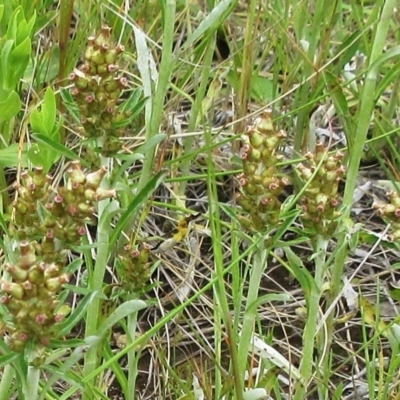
[{"x": 234, "y": 310}]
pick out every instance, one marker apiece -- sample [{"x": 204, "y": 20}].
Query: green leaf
[
  {"x": 211, "y": 21},
  {"x": 49, "y": 110},
  {"x": 47, "y": 70},
  {"x": 8, "y": 358},
  {"x": 70, "y": 104},
  {"x": 335, "y": 89},
  {"x": 5, "y": 54},
  {"x": 42, "y": 156},
  {"x": 69, "y": 323},
  {"x": 11, "y": 157},
  {"x": 36, "y": 121},
  {"x": 36, "y": 157},
  {"x": 346, "y": 50},
  {"x": 18, "y": 61},
  {"x": 13, "y": 24},
  {"x": 59, "y": 149},
  {"x": 138, "y": 201},
  {"x": 25, "y": 28},
  {"x": 121, "y": 312},
  {"x": 262, "y": 89},
  {"x": 69, "y": 343},
  {"x": 10, "y": 107},
  {"x": 299, "y": 271},
  {"x": 1, "y": 11}
]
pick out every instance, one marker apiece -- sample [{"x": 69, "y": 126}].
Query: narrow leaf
[
  {"x": 121, "y": 312},
  {"x": 138, "y": 201},
  {"x": 49, "y": 110},
  {"x": 69, "y": 323},
  {"x": 212, "y": 20},
  {"x": 60, "y": 149}
]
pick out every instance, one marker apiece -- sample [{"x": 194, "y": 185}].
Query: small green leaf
[
  {"x": 25, "y": 28},
  {"x": 18, "y": 60},
  {"x": 71, "y": 105},
  {"x": 49, "y": 110},
  {"x": 10, "y": 156},
  {"x": 346, "y": 50},
  {"x": 262, "y": 89},
  {"x": 4, "y": 59},
  {"x": 37, "y": 158},
  {"x": 36, "y": 121},
  {"x": 299, "y": 271},
  {"x": 12, "y": 28},
  {"x": 10, "y": 107},
  {"x": 1, "y": 11},
  {"x": 394, "y": 291},
  {"x": 121, "y": 312}
]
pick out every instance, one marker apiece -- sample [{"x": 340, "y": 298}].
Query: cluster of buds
[
  {"x": 34, "y": 190},
  {"x": 135, "y": 268},
  {"x": 97, "y": 87},
  {"x": 46, "y": 222},
  {"x": 390, "y": 212},
  {"x": 62, "y": 215},
  {"x": 321, "y": 174},
  {"x": 261, "y": 182},
  {"x": 30, "y": 295}
]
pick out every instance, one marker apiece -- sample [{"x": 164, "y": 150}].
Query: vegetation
[{"x": 199, "y": 199}]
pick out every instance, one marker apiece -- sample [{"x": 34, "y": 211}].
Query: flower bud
[{"x": 94, "y": 179}]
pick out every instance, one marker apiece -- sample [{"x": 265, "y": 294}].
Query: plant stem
[
  {"x": 32, "y": 383},
  {"x": 196, "y": 110},
  {"x": 132, "y": 357},
  {"x": 96, "y": 284},
  {"x": 258, "y": 266},
  {"x": 221, "y": 297},
  {"x": 311, "y": 336},
  {"x": 364, "y": 118},
  {"x": 166, "y": 67},
  {"x": 308, "y": 345},
  {"x": 247, "y": 67},
  {"x": 6, "y": 381}
]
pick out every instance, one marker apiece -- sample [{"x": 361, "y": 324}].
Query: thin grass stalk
[
  {"x": 311, "y": 336},
  {"x": 355, "y": 155},
  {"x": 237, "y": 278},
  {"x": 300, "y": 391},
  {"x": 259, "y": 264},
  {"x": 132, "y": 357},
  {"x": 165, "y": 70},
  {"x": 247, "y": 65},
  {"x": 364, "y": 118},
  {"x": 392, "y": 371},
  {"x": 96, "y": 284},
  {"x": 6, "y": 381},
  {"x": 158, "y": 326},
  {"x": 197, "y": 110},
  {"x": 321, "y": 17},
  {"x": 221, "y": 299}
]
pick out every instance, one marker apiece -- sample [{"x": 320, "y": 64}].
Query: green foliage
[
  {"x": 274, "y": 295},
  {"x": 43, "y": 122},
  {"x": 15, "y": 53}
]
